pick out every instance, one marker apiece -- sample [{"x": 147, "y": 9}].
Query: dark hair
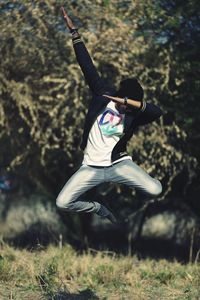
[{"x": 130, "y": 88}]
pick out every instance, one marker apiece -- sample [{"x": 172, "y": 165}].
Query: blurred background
[{"x": 43, "y": 101}]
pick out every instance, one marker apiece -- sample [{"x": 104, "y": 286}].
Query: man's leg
[
  {"x": 84, "y": 179},
  {"x": 129, "y": 173}
]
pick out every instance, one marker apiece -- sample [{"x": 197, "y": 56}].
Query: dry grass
[{"x": 62, "y": 274}]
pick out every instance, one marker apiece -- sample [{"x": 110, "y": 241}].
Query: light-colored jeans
[{"x": 86, "y": 177}]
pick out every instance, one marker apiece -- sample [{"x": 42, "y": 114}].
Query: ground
[{"x": 62, "y": 273}]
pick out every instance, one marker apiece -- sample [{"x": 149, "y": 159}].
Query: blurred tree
[
  {"x": 175, "y": 28},
  {"x": 172, "y": 32},
  {"x": 44, "y": 97}
]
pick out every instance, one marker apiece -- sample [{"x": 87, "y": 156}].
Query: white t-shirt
[{"x": 104, "y": 135}]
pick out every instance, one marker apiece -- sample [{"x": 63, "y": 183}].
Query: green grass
[{"x": 62, "y": 274}]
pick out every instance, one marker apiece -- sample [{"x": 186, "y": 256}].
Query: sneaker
[
  {"x": 104, "y": 213},
  {"x": 111, "y": 218}
]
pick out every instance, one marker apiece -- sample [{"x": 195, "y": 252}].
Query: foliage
[
  {"x": 43, "y": 98},
  {"x": 61, "y": 273}
]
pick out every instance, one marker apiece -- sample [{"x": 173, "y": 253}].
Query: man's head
[{"x": 130, "y": 88}]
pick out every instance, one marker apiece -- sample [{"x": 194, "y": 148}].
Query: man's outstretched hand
[{"x": 67, "y": 19}]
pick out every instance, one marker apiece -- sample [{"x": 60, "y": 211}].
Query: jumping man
[{"x": 109, "y": 124}]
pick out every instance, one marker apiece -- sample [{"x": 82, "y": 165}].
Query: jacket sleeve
[
  {"x": 91, "y": 75},
  {"x": 150, "y": 113}
]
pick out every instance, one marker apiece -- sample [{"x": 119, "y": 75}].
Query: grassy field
[{"x": 63, "y": 274}]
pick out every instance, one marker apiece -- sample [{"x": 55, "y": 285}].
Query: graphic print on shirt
[{"x": 111, "y": 123}]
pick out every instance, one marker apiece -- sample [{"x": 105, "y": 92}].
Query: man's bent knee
[
  {"x": 64, "y": 203},
  {"x": 155, "y": 188}
]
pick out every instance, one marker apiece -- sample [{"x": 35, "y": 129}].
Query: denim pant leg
[
  {"x": 84, "y": 179},
  {"x": 129, "y": 173}
]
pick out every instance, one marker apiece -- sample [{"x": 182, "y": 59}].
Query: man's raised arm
[{"x": 91, "y": 75}]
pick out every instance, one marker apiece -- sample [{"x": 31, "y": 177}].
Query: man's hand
[
  {"x": 115, "y": 99},
  {"x": 121, "y": 101},
  {"x": 67, "y": 19}
]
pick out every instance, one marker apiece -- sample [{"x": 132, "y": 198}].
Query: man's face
[{"x": 122, "y": 108}]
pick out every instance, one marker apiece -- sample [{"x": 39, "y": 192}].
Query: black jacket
[{"x": 98, "y": 102}]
